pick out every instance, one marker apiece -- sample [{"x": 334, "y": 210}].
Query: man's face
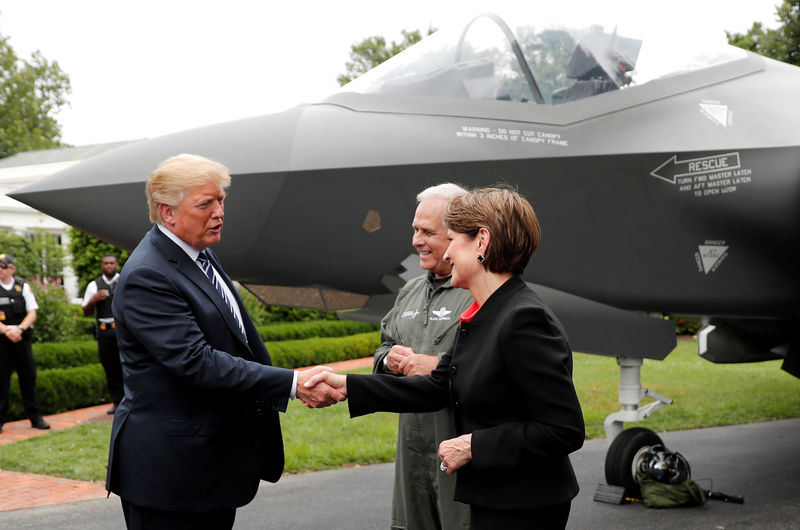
[
  {"x": 6, "y": 272},
  {"x": 109, "y": 266},
  {"x": 430, "y": 236},
  {"x": 197, "y": 219}
]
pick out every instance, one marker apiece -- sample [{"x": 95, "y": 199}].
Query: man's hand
[
  {"x": 13, "y": 333},
  {"x": 337, "y": 382},
  {"x": 101, "y": 294},
  {"x": 317, "y": 395},
  {"x": 418, "y": 364},
  {"x": 396, "y": 356},
  {"x": 455, "y": 453}
]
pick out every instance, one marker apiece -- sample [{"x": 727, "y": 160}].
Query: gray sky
[{"x": 141, "y": 69}]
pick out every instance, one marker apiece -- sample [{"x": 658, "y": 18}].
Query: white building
[{"x": 23, "y": 168}]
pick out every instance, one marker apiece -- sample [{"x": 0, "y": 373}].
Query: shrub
[
  {"x": 308, "y": 352},
  {"x": 685, "y": 326},
  {"x": 54, "y": 318},
  {"x": 313, "y": 328},
  {"x": 50, "y": 355},
  {"x": 62, "y": 389},
  {"x": 264, "y": 314}
]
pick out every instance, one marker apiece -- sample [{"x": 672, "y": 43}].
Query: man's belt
[{"x": 106, "y": 325}]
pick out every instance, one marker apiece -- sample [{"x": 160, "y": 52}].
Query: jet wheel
[{"x": 620, "y": 455}]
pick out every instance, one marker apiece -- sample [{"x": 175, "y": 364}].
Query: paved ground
[{"x": 25, "y": 490}]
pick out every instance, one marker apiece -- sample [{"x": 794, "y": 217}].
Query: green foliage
[
  {"x": 372, "y": 51},
  {"x": 50, "y": 255},
  {"x": 62, "y": 389},
  {"x": 87, "y": 253},
  {"x": 279, "y": 313},
  {"x": 19, "y": 248},
  {"x": 313, "y": 328},
  {"x": 50, "y": 355},
  {"x": 309, "y": 352},
  {"x": 55, "y": 320},
  {"x": 80, "y": 453},
  {"x": 40, "y": 257},
  {"x": 31, "y": 92},
  {"x": 255, "y": 308},
  {"x": 705, "y": 394},
  {"x": 548, "y": 53},
  {"x": 782, "y": 43}
]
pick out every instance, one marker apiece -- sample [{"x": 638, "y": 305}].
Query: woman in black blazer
[{"x": 508, "y": 376}]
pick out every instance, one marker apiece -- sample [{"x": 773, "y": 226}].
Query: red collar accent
[{"x": 470, "y": 313}]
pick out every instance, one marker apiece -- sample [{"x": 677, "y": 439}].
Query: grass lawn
[{"x": 705, "y": 395}]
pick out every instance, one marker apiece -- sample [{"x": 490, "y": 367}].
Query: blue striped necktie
[{"x": 202, "y": 258}]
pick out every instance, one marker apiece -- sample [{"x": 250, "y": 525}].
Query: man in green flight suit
[{"x": 418, "y": 330}]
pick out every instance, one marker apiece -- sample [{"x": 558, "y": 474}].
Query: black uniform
[
  {"x": 107, "y": 340},
  {"x": 16, "y": 355}
]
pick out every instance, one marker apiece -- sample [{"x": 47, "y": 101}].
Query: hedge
[
  {"x": 312, "y": 328},
  {"x": 309, "y": 352},
  {"x": 50, "y": 355},
  {"x": 69, "y": 376},
  {"x": 62, "y": 389}
]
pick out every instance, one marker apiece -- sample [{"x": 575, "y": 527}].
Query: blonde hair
[
  {"x": 509, "y": 218},
  {"x": 170, "y": 180}
]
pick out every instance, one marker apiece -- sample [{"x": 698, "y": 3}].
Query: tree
[
  {"x": 31, "y": 91},
  {"x": 87, "y": 253},
  {"x": 40, "y": 257},
  {"x": 782, "y": 43},
  {"x": 372, "y": 51}
]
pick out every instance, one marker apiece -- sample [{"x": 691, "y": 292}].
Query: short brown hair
[
  {"x": 171, "y": 179},
  {"x": 509, "y": 218}
]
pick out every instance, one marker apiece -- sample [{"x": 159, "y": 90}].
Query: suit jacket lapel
[{"x": 192, "y": 271}]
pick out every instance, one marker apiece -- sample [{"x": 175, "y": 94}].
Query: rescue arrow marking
[{"x": 674, "y": 168}]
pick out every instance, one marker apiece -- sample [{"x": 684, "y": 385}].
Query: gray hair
[{"x": 445, "y": 191}]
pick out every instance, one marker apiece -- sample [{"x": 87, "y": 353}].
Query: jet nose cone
[{"x": 104, "y": 195}]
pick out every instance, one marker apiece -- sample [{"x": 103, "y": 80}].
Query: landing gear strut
[{"x": 625, "y": 444}]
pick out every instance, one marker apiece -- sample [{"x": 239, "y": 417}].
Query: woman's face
[{"x": 462, "y": 254}]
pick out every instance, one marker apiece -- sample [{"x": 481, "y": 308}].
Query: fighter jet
[{"x": 666, "y": 178}]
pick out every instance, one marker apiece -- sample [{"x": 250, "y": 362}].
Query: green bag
[{"x": 659, "y": 495}]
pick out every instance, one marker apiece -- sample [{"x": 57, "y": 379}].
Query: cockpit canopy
[{"x": 540, "y": 62}]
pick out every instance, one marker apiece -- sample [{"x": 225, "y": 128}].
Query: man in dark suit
[{"x": 198, "y": 427}]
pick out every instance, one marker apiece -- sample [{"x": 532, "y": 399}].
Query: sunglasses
[{"x": 3, "y": 266}]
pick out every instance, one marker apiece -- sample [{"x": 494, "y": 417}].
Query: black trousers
[
  {"x": 108, "y": 351},
  {"x": 543, "y": 518},
  {"x": 18, "y": 356},
  {"x": 139, "y": 518}
]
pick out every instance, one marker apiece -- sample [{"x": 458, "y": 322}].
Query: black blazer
[
  {"x": 198, "y": 427},
  {"x": 508, "y": 378}
]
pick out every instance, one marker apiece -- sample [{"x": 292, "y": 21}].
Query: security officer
[
  {"x": 97, "y": 298},
  {"x": 17, "y": 314}
]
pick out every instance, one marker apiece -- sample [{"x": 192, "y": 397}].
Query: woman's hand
[
  {"x": 336, "y": 381},
  {"x": 455, "y": 453}
]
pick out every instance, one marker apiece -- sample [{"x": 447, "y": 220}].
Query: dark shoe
[
  {"x": 112, "y": 410},
  {"x": 39, "y": 423}
]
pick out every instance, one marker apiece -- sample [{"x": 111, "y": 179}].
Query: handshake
[{"x": 319, "y": 387}]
